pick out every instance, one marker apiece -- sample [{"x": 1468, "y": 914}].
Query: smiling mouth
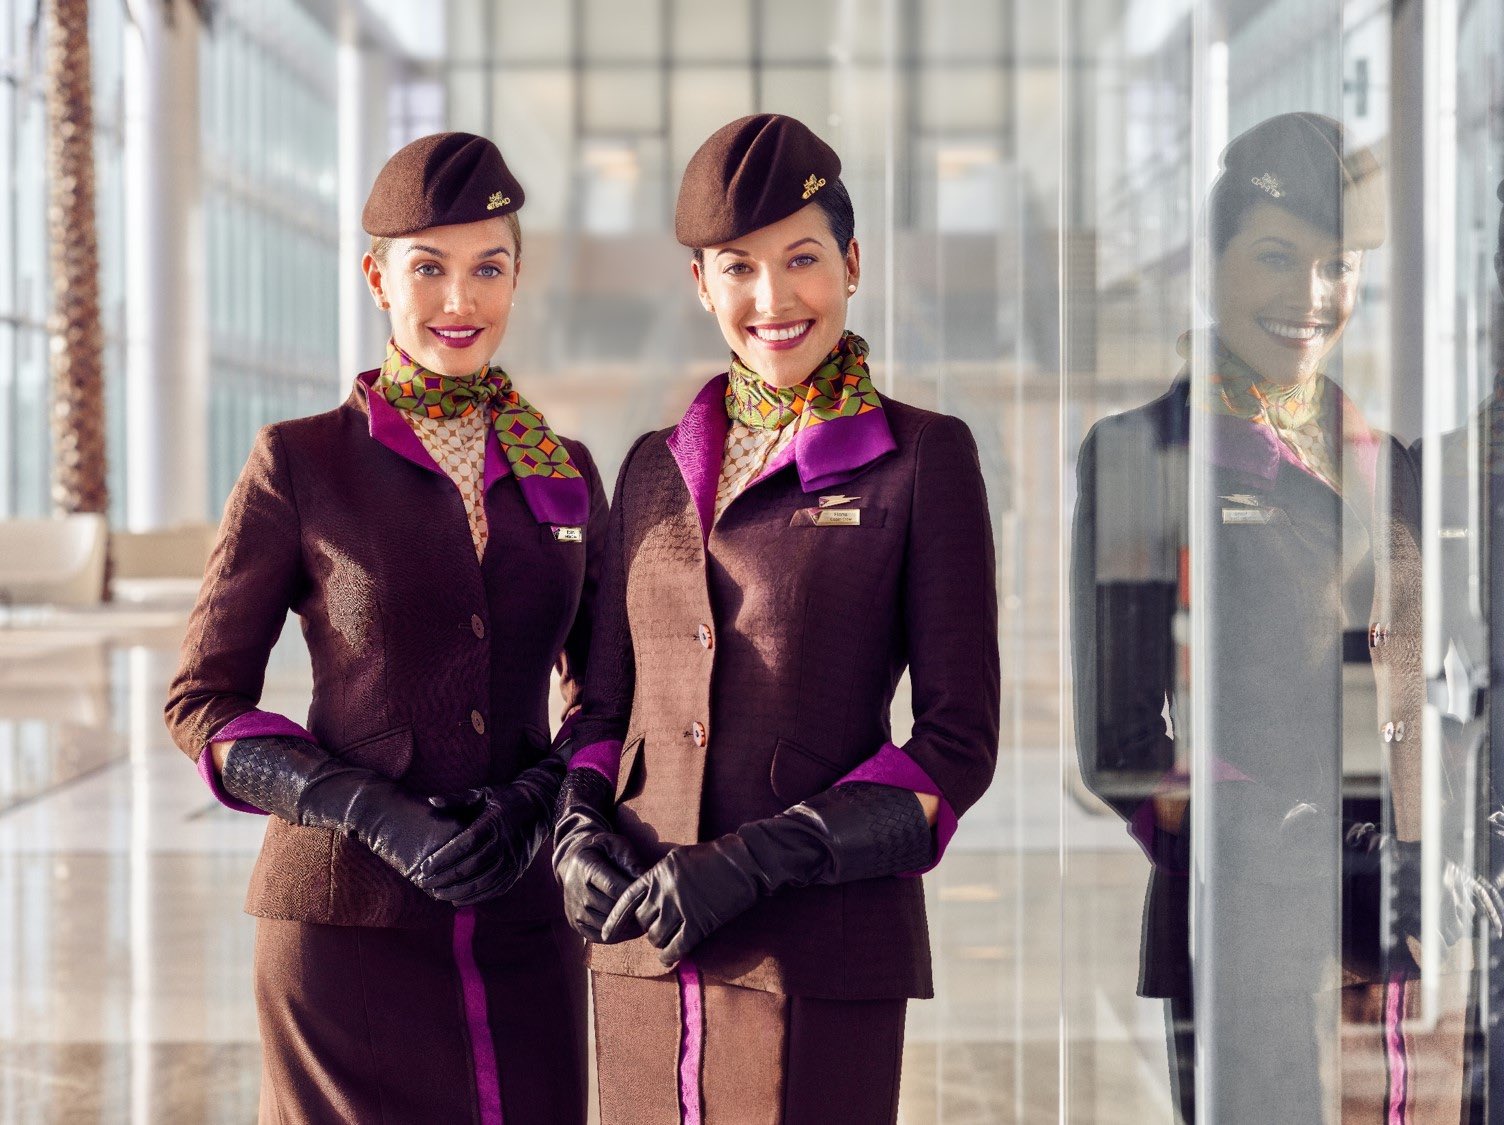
[
  {"x": 456, "y": 335},
  {"x": 780, "y": 335},
  {"x": 1299, "y": 334}
]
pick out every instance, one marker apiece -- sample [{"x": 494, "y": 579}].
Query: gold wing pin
[
  {"x": 497, "y": 200},
  {"x": 832, "y": 501}
]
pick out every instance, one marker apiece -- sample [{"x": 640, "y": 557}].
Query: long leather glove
[
  {"x": 850, "y": 832},
  {"x": 302, "y": 784},
  {"x": 509, "y": 824},
  {"x": 594, "y": 864}
]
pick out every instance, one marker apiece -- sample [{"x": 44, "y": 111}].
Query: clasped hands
[{"x": 461, "y": 849}]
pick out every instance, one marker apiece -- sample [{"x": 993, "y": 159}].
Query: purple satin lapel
[
  {"x": 391, "y": 429},
  {"x": 698, "y": 444},
  {"x": 833, "y": 452},
  {"x": 555, "y": 500},
  {"x": 1247, "y": 447}
]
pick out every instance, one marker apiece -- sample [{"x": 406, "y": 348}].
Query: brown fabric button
[
  {"x": 698, "y": 733},
  {"x": 477, "y": 626},
  {"x": 703, "y": 635},
  {"x": 478, "y": 722}
]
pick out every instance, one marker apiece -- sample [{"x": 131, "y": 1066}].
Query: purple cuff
[
  {"x": 891, "y": 766},
  {"x": 252, "y": 724},
  {"x": 602, "y": 757},
  {"x": 1159, "y": 843}
]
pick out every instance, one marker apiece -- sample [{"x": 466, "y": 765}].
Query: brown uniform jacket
[
  {"x": 749, "y": 672},
  {"x": 428, "y": 666}
]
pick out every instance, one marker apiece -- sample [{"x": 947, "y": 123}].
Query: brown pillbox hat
[
  {"x": 439, "y": 180},
  {"x": 749, "y": 174},
  {"x": 1301, "y": 162}
]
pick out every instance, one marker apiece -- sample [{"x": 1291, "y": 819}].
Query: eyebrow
[
  {"x": 786, "y": 249},
  {"x": 434, "y": 251},
  {"x": 1286, "y": 243}
]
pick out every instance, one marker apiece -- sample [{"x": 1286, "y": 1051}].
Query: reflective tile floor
[{"x": 124, "y": 957}]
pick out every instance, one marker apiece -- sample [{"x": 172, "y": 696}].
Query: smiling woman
[
  {"x": 778, "y": 558},
  {"x": 398, "y": 865}
]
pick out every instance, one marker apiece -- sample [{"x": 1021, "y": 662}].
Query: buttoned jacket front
[
  {"x": 749, "y": 669},
  {"x": 429, "y": 666}
]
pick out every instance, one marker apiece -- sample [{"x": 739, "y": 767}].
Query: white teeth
[
  {"x": 773, "y": 335},
  {"x": 452, "y": 335},
  {"x": 1292, "y": 331}
]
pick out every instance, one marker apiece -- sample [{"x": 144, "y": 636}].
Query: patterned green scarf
[
  {"x": 530, "y": 447},
  {"x": 839, "y": 388}
]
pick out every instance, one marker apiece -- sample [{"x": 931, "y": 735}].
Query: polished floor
[{"x": 124, "y": 957}]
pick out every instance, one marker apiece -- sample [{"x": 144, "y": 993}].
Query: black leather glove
[
  {"x": 1464, "y": 895},
  {"x": 508, "y": 825},
  {"x": 299, "y": 782},
  {"x": 850, "y": 832},
  {"x": 593, "y": 863}
]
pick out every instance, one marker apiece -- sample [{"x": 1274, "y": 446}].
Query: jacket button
[
  {"x": 478, "y": 722},
  {"x": 698, "y": 733},
  {"x": 1399, "y": 732},
  {"x": 1388, "y": 732},
  {"x": 477, "y": 626},
  {"x": 702, "y": 634}
]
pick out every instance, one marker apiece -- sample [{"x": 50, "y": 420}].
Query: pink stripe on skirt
[
  {"x": 1394, "y": 1050},
  {"x": 473, "y": 988},
  {"x": 691, "y": 1042}
]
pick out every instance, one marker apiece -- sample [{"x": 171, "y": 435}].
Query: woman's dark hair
[
  {"x": 835, "y": 201},
  {"x": 1298, "y": 162}
]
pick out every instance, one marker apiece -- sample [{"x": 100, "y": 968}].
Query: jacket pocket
[
  {"x": 798, "y": 773},
  {"x": 389, "y": 753},
  {"x": 629, "y": 772}
]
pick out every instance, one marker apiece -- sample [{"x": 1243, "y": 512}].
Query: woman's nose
[
  {"x": 459, "y": 299},
  {"x": 770, "y": 292},
  {"x": 1312, "y": 289}
]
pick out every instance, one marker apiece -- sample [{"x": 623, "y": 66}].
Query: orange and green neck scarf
[
  {"x": 839, "y": 388},
  {"x": 1297, "y": 414},
  {"x": 530, "y": 447}
]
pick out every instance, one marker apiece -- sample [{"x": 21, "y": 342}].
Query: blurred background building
[{"x": 1027, "y": 179}]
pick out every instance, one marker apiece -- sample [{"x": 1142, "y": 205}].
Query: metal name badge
[
  {"x": 838, "y": 517},
  {"x": 569, "y": 534},
  {"x": 1247, "y": 515}
]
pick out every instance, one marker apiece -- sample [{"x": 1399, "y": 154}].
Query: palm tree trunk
[{"x": 78, "y": 424}]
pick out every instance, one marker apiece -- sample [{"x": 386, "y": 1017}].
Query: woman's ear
[
  {"x": 372, "y": 269},
  {"x": 854, "y": 263},
  {"x": 696, "y": 268}
]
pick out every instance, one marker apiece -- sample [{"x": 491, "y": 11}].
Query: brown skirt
[
  {"x": 479, "y": 1021},
  {"x": 683, "y": 1050}
]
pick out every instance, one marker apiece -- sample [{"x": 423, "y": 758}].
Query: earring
[
  {"x": 710, "y": 309},
  {"x": 851, "y": 288}
]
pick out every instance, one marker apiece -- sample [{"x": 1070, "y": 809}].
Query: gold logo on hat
[
  {"x": 812, "y": 185},
  {"x": 497, "y": 200},
  {"x": 1270, "y": 183}
]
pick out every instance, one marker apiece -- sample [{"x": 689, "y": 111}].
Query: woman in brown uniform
[
  {"x": 439, "y": 543},
  {"x": 738, "y": 818}
]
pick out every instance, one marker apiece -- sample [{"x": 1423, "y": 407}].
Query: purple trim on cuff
[
  {"x": 698, "y": 446},
  {"x": 251, "y": 724},
  {"x": 473, "y": 992},
  {"x": 691, "y": 1042},
  {"x": 602, "y": 757},
  {"x": 566, "y": 728},
  {"x": 891, "y": 766}
]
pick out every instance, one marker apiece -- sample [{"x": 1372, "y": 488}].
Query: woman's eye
[
  {"x": 803, "y": 260},
  {"x": 427, "y": 269},
  {"x": 737, "y": 268},
  {"x": 1275, "y": 260},
  {"x": 1340, "y": 269},
  {"x": 490, "y": 271}
]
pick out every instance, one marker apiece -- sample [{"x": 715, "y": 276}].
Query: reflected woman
[
  {"x": 440, "y": 543},
  {"x": 1306, "y": 559},
  {"x": 738, "y": 817}
]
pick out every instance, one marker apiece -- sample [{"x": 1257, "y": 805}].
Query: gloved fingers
[
  {"x": 622, "y": 923},
  {"x": 459, "y": 802},
  {"x": 496, "y": 880},
  {"x": 1491, "y": 902},
  {"x": 620, "y": 852},
  {"x": 462, "y": 856}
]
